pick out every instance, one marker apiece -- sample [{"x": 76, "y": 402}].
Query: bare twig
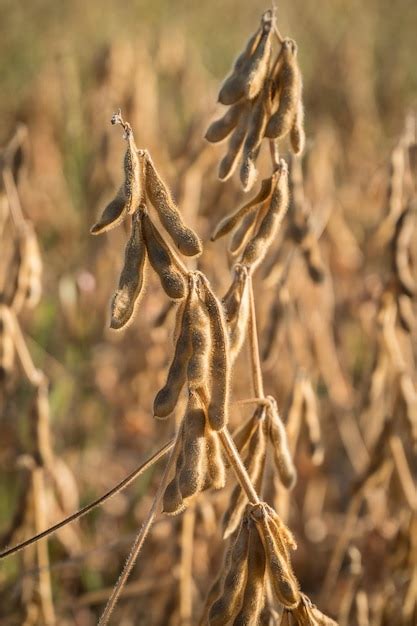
[
  {"x": 89, "y": 507},
  {"x": 140, "y": 538}
]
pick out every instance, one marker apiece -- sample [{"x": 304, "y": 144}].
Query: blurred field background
[{"x": 65, "y": 67}]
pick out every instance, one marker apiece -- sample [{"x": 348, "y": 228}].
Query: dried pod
[
  {"x": 172, "y": 502},
  {"x": 251, "y": 67},
  {"x": 167, "y": 397},
  {"x": 215, "y": 464},
  {"x": 130, "y": 195},
  {"x": 297, "y": 133},
  {"x": 234, "y": 150},
  {"x": 237, "y": 306},
  {"x": 254, "y": 590},
  {"x": 218, "y": 582},
  {"x": 132, "y": 277},
  {"x": 224, "y": 609},
  {"x": 269, "y": 616},
  {"x": 306, "y": 614},
  {"x": 258, "y": 246},
  {"x": 7, "y": 349},
  {"x": 222, "y": 127},
  {"x": 254, "y": 459},
  {"x": 320, "y": 618},
  {"x": 134, "y": 174},
  {"x": 184, "y": 238},
  {"x": 113, "y": 214},
  {"x": 409, "y": 395},
  {"x": 10, "y": 287},
  {"x": 276, "y": 317},
  {"x": 289, "y": 79},
  {"x": 412, "y": 159},
  {"x": 283, "y": 582},
  {"x": 162, "y": 261},
  {"x": 232, "y": 299},
  {"x": 217, "y": 411},
  {"x": 28, "y": 286},
  {"x": 256, "y": 130},
  {"x": 312, "y": 256},
  {"x": 406, "y": 314},
  {"x": 283, "y": 535},
  {"x": 192, "y": 472},
  {"x": 198, "y": 365},
  {"x": 230, "y": 221},
  {"x": 282, "y": 455},
  {"x": 313, "y": 422},
  {"x": 258, "y": 64},
  {"x": 249, "y": 49},
  {"x": 243, "y": 434},
  {"x": 245, "y": 230},
  {"x": 402, "y": 241},
  {"x": 65, "y": 485}
]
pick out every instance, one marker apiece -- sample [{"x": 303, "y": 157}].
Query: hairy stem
[
  {"x": 235, "y": 460},
  {"x": 44, "y": 589},
  {"x": 238, "y": 466},
  {"x": 254, "y": 346},
  {"x": 186, "y": 572},
  {"x": 89, "y": 507},
  {"x": 140, "y": 539}
]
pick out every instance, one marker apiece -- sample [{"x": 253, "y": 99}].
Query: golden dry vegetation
[{"x": 296, "y": 335}]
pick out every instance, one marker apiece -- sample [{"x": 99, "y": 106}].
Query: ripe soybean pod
[
  {"x": 167, "y": 398},
  {"x": 289, "y": 93},
  {"x": 217, "y": 411},
  {"x": 184, "y": 237},
  {"x": 224, "y": 609},
  {"x": 131, "y": 278},
  {"x": 162, "y": 261}
]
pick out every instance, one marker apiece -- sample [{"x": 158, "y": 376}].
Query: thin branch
[
  {"x": 44, "y": 589},
  {"x": 235, "y": 460},
  {"x": 238, "y": 466},
  {"x": 140, "y": 538},
  {"x": 186, "y": 571},
  {"x": 89, "y": 507},
  {"x": 13, "y": 198},
  {"x": 254, "y": 346},
  {"x": 260, "y": 401}
]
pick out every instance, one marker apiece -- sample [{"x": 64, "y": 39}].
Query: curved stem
[
  {"x": 140, "y": 538},
  {"x": 89, "y": 507}
]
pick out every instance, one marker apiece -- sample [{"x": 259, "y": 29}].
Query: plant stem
[
  {"x": 238, "y": 466},
  {"x": 234, "y": 458},
  {"x": 89, "y": 507},
  {"x": 254, "y": 346},
  {"x": 140, "y": 539},
  {"x": 186, "y": 575},
  {"x": 44, "y": 588}
]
